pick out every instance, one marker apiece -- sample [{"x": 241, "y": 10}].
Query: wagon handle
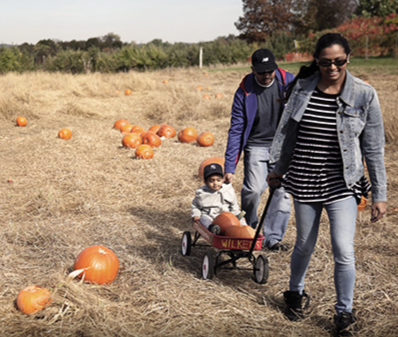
[{"x": 260, "y": 224}]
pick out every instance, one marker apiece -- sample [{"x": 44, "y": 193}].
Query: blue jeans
[
  {"x": 342, "y": 217},
  {"x": 256, "y": 169}
]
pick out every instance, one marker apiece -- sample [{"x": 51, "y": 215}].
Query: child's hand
[{"x": 195, "y": 218}]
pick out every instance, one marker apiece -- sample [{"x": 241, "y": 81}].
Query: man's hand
[
  {"x": 274, "y": 179},
  {"x": 378, "y": 210},
  {"x": 228, "y": 177},
  {"x": 195, "y": 218}
]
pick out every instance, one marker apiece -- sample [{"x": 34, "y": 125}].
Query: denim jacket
[{"x": 360, "y": 131}]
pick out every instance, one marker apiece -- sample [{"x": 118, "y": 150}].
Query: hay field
[{"x": 59, "y": 196}]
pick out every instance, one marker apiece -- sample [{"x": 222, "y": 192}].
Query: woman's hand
[
  {"x": 378, "y": 210},
  {"x": 274, "y": 179}
]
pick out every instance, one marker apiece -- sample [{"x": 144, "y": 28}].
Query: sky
[{"x": 137, "y": 21}]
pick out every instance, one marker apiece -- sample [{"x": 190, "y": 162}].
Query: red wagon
[{"x": 224, "y": 251}]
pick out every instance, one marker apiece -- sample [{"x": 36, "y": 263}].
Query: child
[{"x": 214, "y": 198}]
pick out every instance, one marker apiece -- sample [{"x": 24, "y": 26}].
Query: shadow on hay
[
  {"x": 160, "y": 230},
  {"x": 164, "y": 245}
]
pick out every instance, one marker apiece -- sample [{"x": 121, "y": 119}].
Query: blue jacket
[
  {"x": 243, "y": 112},
  {"x": 360, "y": 131}
]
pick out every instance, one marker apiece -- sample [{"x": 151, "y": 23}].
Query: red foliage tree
[{"x": 378, "y": 30}]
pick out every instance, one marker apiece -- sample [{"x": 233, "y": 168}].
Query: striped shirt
[{"x": 316, "y": 171}]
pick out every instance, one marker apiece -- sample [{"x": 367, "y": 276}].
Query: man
[{"x": 256, "y": 110}]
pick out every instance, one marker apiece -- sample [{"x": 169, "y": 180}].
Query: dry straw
[{"x": 58, "y": 197}]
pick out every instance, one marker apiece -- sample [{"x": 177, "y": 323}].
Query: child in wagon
[{"x": 214, "y": 198}]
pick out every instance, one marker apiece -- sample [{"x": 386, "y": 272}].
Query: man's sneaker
[
  {"x": 346, "y": 324},
  {"x": 215, "y": 229},
  {"x": 294, "y": 307},
  {"x": 279, "y": 246}
]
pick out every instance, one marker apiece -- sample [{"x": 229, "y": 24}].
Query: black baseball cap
[
  {"x": 263, "y": 60},
  {"x": 212, "y": 169}
]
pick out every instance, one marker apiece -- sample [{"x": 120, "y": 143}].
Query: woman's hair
[{"x": 324, "y": 41}]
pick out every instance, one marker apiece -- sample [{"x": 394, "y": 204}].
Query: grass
[
  {"x": 59, "y": 196},
  {"x": 386, "y": 65}
]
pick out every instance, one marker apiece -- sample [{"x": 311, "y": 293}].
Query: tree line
[
  {"x": 281, "y": 25},
  {"x": 108, "y": 54}
]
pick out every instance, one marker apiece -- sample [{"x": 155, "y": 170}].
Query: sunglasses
[
  {"x": 328, "y": 63},
  {"x": 265, "y": 73}
]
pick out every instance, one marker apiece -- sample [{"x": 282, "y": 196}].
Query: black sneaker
[
  {"x": 294, "y": 307},
  {"x": 346, "y": 324},
  {"x": 215, "y": 229},
  {"x": 279, "y": 246}
]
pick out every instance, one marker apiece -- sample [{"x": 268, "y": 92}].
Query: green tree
[
  {"x": 280, "y": 43},
  {"x": 67, "y": 61},
  {"x": 12, "y": 59},
  {"x": 370, "y": 8},
  {"x": 316, "y": 15},
  {"x": 43, "y": 50},
  {"x": 110, "y": 42},
  {"x": 92, "y": 42}
]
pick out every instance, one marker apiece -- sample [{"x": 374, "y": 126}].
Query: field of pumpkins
[
  {"x": 97, "y": 264},
  {"x": 143, "y": 141},
  {"x": 75, "y": 193}
]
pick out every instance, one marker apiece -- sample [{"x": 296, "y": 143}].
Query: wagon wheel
[
  {"x": 186, "y": 243},
  {"x": 261, "y": 269},
  {"x": 208, "y": 265}
]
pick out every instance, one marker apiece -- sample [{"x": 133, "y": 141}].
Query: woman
[{"x": 331, "y": 122}]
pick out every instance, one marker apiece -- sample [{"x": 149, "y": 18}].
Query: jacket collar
[
  {"x": 309, "y": 84},
  {"x": 348, "y": 93}
]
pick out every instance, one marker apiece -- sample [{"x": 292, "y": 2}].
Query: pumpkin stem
[{"x": 241, "y": 215}]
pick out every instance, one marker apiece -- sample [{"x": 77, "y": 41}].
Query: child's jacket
[{"x": 212, "y": 203}]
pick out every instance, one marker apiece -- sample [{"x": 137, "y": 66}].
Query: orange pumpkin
[
  {"x": 226, "y": 220},
  {"x": 154, "y": 128},
  {"x": 21, "y": 121},
  {"x": 120, "y": 123},
  {"x": 65, "y": 133},
  {"x": 206, "y": 96},
  {"x": 165, "y": 81},
  {"x": 100, "y": 265},
  {"x": 199, "y": 88},
  {"x": 137, "y": 129},
  {"x": 33, "y": 299},
  {"x": 132, "y": 140},
  {"x": 128, "y": 92},
  {"x": 242, "y": 232},
  {"x": 218, "y": 95},
  {"x": 126, "y": 128},
  {"x": 166, "y": 131},
  {"x": 144, "y": 151},
  {"x": 211, "y": 160},
  {"x": 150, "y": 138},
  {"x": 205, "y": 139},
  {"x": 188, "y": 135}
]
